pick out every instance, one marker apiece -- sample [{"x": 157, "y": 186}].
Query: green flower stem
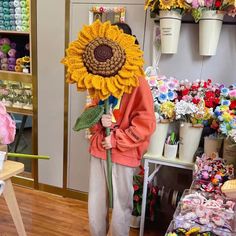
[
  {"x": 109, "y": 162},
  {"x": 28, "y": 156}
]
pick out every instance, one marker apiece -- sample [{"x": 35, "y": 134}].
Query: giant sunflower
[{"x": 104, "y": 60}]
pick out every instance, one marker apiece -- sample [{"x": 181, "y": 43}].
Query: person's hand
[
  {"x": 106, "y": 120},
  {"x": 106, "y": 143}
]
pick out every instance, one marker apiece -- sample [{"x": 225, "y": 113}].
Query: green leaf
[
  {"x": 139, "y": 209},
  {"x": 89, "y": 118}
]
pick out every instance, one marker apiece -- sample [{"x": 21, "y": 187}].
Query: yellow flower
[
  {"x": 224, "y": 108},
  {"x": 168, "y": 109},
  {"x": 227, "y": 117},
  {"x": 181, "y": 4},
  {"x": 167, "y": 4},
  {"x": 104, "y": 60}
]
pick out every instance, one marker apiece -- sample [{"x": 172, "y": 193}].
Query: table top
[
  {"x": 11, "y": 168},
  {"x": 168, "y": 162}
]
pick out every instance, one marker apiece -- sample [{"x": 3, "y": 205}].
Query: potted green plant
[{"x": 171, "y": 146}]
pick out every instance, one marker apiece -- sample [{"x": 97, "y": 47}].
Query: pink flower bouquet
[{"x": 7, "y": 126}]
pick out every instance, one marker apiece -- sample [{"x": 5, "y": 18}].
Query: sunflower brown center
[
  {"x": 103, "y": 57},
  {"x": 102, "y": 53}
]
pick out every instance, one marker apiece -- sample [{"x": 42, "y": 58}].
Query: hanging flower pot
[
  {"x": 210, "y": 25},
  {"x": 158, "y": 138},
  {"x": 189, "y": 136},
  {"x": 212, "y": 144},
  {"x": 170, "y": 22}
]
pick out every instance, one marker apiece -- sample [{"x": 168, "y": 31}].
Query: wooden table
[{"x": 10, "y": 169}]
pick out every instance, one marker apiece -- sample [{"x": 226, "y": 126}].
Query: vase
[
  {"x": 170, "y": 22},
  {"x": 229, "y": 152},
  {"x": 210, "y": 25},
  {"x": 212, "y": 144},
  {"x": 135, "y": 221},
  {"x": 189, "y": 136},
  {"x": 158, "y": 139},
  {"x": 170, "y": 151}
]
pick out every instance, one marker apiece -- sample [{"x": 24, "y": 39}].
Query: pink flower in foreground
[
  {"x": 232, "y": 93},
  {"x": 7, "y": 126}
]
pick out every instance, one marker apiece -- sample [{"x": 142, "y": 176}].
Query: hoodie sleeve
[{"x": 142, "y": 121}]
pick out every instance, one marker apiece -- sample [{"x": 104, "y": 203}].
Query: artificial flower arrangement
[
  {"x": 166, "y": 5},
  {"x": 164, "y": 91},
  {"x": 198, "y": 6},
  {"x": 138, "y": 191},
  {"x": 224, "y": 115},
  {"x": 191, "y": 105}
]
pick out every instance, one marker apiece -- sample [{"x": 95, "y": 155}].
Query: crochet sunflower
[{"x": 104, "y": 60}]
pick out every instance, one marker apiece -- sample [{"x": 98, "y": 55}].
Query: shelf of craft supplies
[
  {"x": 14, "y": 32},
  {"x": 169, "y": 162},
  {"x": 16, "y": 76},
  {"x": 20, "y": 111}
]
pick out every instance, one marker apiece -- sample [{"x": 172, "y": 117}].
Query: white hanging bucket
[
  {"x": 170, "y": 151},
  {"x": 209, "y": 32},
  {"x": 158, "y": 139},
  {"x": 212, "y": 144},
  {"x": 189, "y": 141},
  {"x": 170, "y": 22}
]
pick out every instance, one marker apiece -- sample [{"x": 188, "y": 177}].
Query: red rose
[
  {"x": 185, "y": 92},
  {"x": 196, "y": 100},
  {"x": 205, "y": 85},
  {"x": 136, "y": 198},
  {"x": 232, "y": 105},
  {"x": 209, "y": 103},
  {"x": 136, "y": 187},
  {"x": 217, "y": 92},
  {"x": 217, "y": 3},
  {"x": 209, "y": 81}
]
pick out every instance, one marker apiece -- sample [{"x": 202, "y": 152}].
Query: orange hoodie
[{"x": 132, "y": 131}]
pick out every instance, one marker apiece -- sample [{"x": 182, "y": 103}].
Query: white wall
[
  {"x": 188, "y": 64},
  {"x": 51, "y": 34}
]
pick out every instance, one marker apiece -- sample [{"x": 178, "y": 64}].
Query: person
[{"x": 132, "y": 122}]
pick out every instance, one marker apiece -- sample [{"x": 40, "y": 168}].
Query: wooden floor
[{"x": 48, "y": 215}]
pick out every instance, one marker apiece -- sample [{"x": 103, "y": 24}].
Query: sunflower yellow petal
[
  {"x": 104, "y": 28},
  {"x": 126, "y": 73},
  {"x": 95, "y": 27},
  {"x": 110, "y": 84},
  {"x": 97, "y": 81},
  {"x": 118, "y": 93},
  {"x": 102, "y": 96},
  {"x": 88, "y": 81},
  {"x": 117, "y": 83},
  {"x": 113, "y": 33},
  {"x": 126, "y": 41}
]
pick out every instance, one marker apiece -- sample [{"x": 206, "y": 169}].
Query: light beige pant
[{"x": 122, "y": 178}]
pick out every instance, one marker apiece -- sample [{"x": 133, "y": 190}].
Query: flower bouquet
[
  {"x": 199, "y": 6},
  {"x": 164, "y": 91}
]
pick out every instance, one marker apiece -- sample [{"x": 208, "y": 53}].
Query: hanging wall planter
[
  {"x": 170, "y": 22},
  {"x": 210, "y": 25}
]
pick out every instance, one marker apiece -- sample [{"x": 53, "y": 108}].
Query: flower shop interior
[{"x": 185, "y": 184}]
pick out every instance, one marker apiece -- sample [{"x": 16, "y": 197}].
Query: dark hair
[{"x": 126, "y": 29}]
